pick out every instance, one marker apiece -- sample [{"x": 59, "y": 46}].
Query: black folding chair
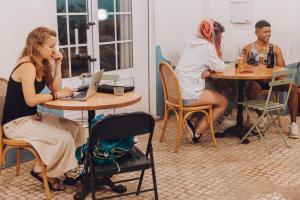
[{"x": 121, "y": 126}]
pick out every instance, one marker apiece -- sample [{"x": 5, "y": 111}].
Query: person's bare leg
[
  {"x": 219, "y": 103},
  {"x": 252, "y": 89},
  {"x": 293, "y": 100},
  {"x": 195, "y": 118}
]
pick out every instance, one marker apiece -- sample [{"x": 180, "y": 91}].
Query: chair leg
[
  {"x": 211, "y": 127},
  {"x": 153, "y": 175},
  {"x": 280, "y": 131},
  {"x": 278, "y": 111},
  {"x": 262, "y": 138},
  {"x": 18, "y": 160},
  {"x": 140, "y": 183},
  {"x": 45, "y": 180},
  {"x": 165, "y": 121},
  {"x": 258, "y": 130},
  {"x": 179, "y": 130}
]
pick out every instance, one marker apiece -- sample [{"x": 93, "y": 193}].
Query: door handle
[
  {"x": 86, "y": 57},
  {"x": 87, "y": 26}
]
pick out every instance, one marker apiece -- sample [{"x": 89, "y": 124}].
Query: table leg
[
  {"x": 238, "y": 130},
  {"x": 239, "y": 116},
  {"x": 91, "y": 116}
]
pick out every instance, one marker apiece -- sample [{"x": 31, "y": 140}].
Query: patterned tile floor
[{"x": 198, "y": 172}]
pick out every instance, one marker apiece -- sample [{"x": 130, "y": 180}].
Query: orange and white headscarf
[{"x": 207, "y": 31}]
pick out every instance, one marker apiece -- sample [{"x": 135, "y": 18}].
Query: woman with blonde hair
[
  {"x": 201, "y": 56},
  {"x": 54, "y": 138}
]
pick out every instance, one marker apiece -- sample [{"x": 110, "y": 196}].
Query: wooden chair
[
  {"x": 8, "y": 144},
  {"x": 173, "y": 102}
]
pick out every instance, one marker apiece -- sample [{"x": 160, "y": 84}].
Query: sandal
[
  {"x": 56, "y": 185},
  {"x": 195, "y": 137},
  {"x": 70, "y": 181}
]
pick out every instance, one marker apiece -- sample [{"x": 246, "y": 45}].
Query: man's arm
[{"x": 279, "y": 57}]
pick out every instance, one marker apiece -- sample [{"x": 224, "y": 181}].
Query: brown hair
[{"x": 35, "y": 39}]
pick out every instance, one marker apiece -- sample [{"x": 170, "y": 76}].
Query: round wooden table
[
  {"x": 248, "y": 72},
  {"x": 98, "y": 101}
]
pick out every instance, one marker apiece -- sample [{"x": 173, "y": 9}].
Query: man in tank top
[{"x": 255, "y": 53}]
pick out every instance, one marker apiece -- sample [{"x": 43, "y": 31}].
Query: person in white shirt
[{"x": 201, "y": 56}]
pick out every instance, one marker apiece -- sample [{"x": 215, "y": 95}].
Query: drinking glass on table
[{"x": 262, "y": 57}]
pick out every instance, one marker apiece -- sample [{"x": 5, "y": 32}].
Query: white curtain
[{"x": 125, "y": 34}]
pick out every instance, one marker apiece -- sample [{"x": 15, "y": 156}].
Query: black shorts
[{"x": 264, "y": 85}]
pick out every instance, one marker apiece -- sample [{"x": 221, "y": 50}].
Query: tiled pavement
[{"x": 230, "y": 172}]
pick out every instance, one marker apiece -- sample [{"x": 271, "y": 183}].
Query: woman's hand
[
  {"x": 205, "y": 74},
  {"x": 57, "y": 57},
  {"x": 65, "y": 92}
]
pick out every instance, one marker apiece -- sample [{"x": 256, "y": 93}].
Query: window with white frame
[
  {"x": 72, "y": 13},
  {"x": 115, "y": 35}
]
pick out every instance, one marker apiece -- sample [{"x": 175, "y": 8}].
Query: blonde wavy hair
[{"x": 36, "y": 39}]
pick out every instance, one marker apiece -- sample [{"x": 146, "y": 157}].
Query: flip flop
[
  {"x": 70, "y": 181},
  {"x": 51, "y": 185}
]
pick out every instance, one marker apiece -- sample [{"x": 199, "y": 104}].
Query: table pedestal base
[
  {"x": 235, "y": 131},
  {"x": 99, "y": 183}
]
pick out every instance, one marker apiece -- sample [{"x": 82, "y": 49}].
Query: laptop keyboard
[{"x": 79, "y": 95}]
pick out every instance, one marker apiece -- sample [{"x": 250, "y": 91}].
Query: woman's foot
[
  {"x": 195, "y": 136},
  {"x": 55, "y": 184}
]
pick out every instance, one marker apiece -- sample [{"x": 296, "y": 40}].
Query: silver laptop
[{"x": 82, "y": 96}]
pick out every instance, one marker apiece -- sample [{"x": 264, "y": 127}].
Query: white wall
[
  {"x": 293, "y": 30},
  {"x": 237, "y": 35},
  {"x": 176, "y": 20},
  {"x": 17, "y": 19}
]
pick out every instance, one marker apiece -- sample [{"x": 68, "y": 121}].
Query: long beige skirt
[{"x": 54, "y": 138}]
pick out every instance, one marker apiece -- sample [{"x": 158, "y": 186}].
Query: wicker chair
[
  {"x": 173, "y": 102},
  {"x": 8, "y": 144}
]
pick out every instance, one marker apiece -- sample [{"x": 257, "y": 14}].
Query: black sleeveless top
[{"x": 15, "y": 105}]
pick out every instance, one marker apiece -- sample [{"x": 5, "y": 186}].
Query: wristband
[{"x": 54, "y": 95}]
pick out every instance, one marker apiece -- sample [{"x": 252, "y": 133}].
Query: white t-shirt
[{"x": 199, "y": 55}]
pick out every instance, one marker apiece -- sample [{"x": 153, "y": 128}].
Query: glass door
[{"x": 119, "y": 44}]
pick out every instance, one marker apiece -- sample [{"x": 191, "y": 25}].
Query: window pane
[
  {"x": 65, "y": 63},
  {"x": 79, "y": 66},
  {"x": 106, "y": 29},
  {"x": 81, "y": 21},
  {"x": 123, "y": 5},
  {"x": 106, "y": 4},
  {"x": 124, "y": 55},
  {"x": 61, "y": 6},
  {"x": 107, "y": 57},
  {"x": 124, "y": 28},
  {"x": 77, "y": 5},
  {"x": 62, "y": 30}
]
